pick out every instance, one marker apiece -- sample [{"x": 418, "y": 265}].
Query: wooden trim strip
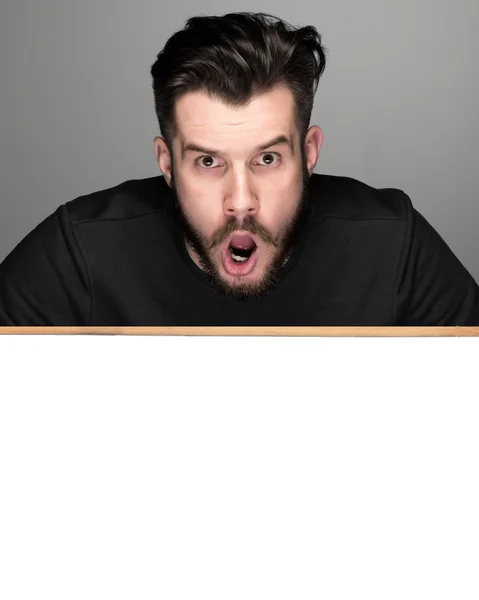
[{"x": 251, "y": 331}]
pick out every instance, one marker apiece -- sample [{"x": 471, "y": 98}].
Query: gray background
[{"x": 397, "y": 102}]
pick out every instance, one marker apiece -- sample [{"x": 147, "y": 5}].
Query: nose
[{"x": 240, "y": 199}]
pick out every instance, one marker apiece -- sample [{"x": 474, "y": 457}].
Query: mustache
[{"x": 248, "y": 224}]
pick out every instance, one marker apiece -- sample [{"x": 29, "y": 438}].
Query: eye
[
  {"x": 269, "y": 159},
  {"x": 207, "y": 162}
]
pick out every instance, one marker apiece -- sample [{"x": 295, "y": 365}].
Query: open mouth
[{"x": 240, "y": 256}]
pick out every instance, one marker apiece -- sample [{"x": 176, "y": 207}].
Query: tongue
[{"x": 243, "y": 242}]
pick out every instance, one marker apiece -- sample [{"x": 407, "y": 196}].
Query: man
[{"x": 238, "y": 231}]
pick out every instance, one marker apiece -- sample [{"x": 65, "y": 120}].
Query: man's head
[{"x": 233, "y": 96}]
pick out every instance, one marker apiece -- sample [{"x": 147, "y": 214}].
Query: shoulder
[
  {"x": 130, "y": 199},
  {"x": 339, "y": 197}
]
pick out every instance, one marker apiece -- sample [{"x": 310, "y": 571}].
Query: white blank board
[{"x": 239, "y": 468}]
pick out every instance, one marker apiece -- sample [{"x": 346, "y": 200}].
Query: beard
[{"x": 283, "y": 244}]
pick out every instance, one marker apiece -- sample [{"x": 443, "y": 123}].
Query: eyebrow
[{"x": 280, "y": 139}]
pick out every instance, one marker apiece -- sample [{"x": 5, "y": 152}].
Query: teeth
[{"x": 237, "y": 258}]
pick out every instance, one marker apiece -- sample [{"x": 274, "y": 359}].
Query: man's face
[{"x": 239, "y": 175}]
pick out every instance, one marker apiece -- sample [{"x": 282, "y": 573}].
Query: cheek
[
  {"x": 282, "y": 206},
  {"x": 202, "y": 202},
  {"x": 200, "y": 205}
]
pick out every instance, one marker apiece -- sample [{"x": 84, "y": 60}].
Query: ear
[
  {"x": 163, "y": 158},
  {"x": 312, "y": 147}
]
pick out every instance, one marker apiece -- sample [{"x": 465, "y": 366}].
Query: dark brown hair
[{"x": 236, "y": 57}]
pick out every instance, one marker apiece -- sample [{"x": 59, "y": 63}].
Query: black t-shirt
[{"x": 117, "y": 257}]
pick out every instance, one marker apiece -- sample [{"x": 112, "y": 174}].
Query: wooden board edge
[{"x": 251, "y": 331}]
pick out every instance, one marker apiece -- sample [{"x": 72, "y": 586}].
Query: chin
[{"x": 256, "y": 283}]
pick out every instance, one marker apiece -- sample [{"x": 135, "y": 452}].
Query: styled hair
[{"x": 235, "y": 58}]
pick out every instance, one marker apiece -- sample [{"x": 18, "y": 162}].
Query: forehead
[{"x": 209, "y": 121}]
